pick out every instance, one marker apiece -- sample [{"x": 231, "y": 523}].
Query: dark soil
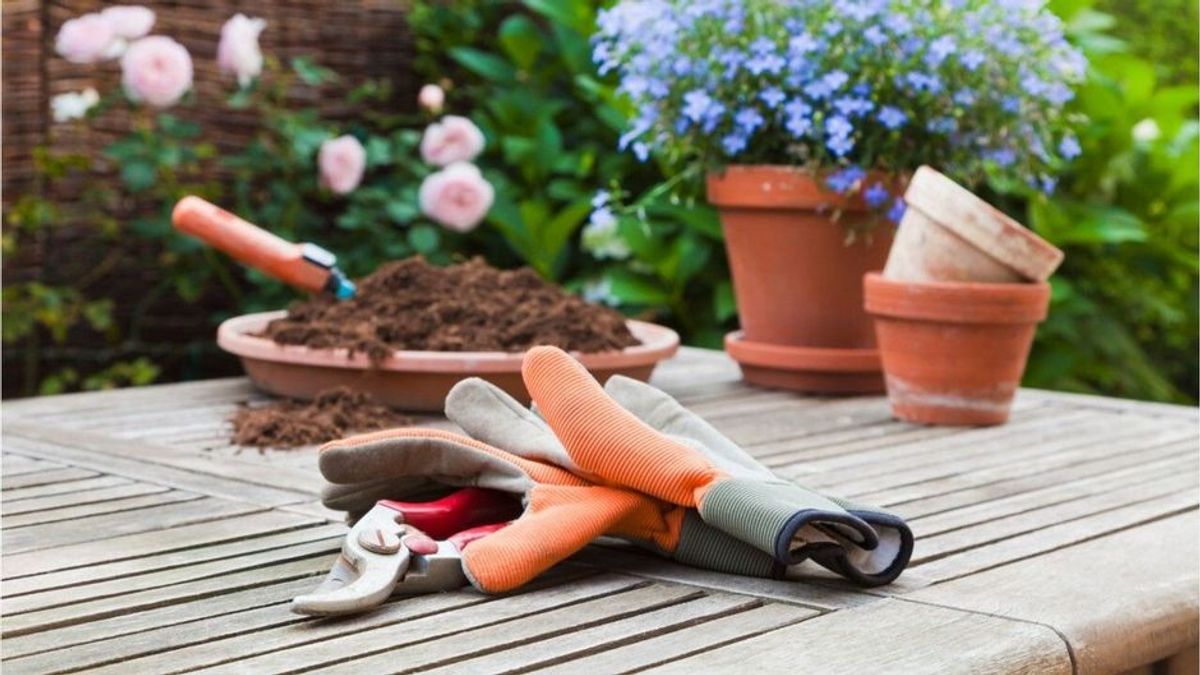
[
  {"x": 412, "y": 305},
  {"x": 332, "y": 415}
]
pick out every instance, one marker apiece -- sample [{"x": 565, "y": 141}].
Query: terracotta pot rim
[
  {"x": 956, "y": 301},
  {"x": 981, "y": 225},
  {"x": 801, "y": 358},
  {"x": 233, "y": 335},
  {"x": 782, "y": 186}
]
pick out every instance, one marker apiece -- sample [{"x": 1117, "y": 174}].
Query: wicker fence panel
[{"x": 359, "y": 39}]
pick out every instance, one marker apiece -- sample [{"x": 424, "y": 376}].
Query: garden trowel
[{"x": 305, "y": 266}]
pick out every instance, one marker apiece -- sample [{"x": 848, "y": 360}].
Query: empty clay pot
[
  {"x": 949, "y": 234},
  {"x": 797, "y": 281},
  {"x": 953, "y": 353}
]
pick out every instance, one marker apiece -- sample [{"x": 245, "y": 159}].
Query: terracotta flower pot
[
  {"x": 797, "y": 281},
  {"x": 953, "y": 353},
  {"x": 949, "y": 234}
]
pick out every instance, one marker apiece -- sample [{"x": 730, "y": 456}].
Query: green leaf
[
  {"x": 554, "y": 234},
  {"x": 310, "y": 73},
  {"x": 724, "y": 304},
  {"x": 574, "y": 14},
  {"x": 379, "y": 151},
  {"x": 633, "y": 289},
  {"x": 138, "y": 175},
  {"x": 174, "y": 127},
  {"x": 424, "y": 239},
  {"x": 521, "y": 40},
  {"x": 488, "y": 66},
  {"x": 1099, "y": 224},
  {"x": 401, "y": 211}
]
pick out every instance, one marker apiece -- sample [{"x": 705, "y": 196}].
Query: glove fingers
[
  {"x": 488, "y": 414},
  {"x": 558, "y": 522},
  {"x": 439, "y": 455},
  {"x": 605, "y": 440},
  {"x": 358, "y": 498},
  {"x": 659, "y": 411}
]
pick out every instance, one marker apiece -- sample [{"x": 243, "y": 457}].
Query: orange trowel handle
[{"x": 249, "y": 244}]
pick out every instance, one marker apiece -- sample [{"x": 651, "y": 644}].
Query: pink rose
[
  {"x": 457, "y": 196},
  {"x": 342, "y": 161},
  {"x": 454, "y": 139},
  {"x": 431, "y": 98},
  {"x": 156, "y": 70},
  {"x": 129, "y": 22},
  {"x": 86, "y": 39},
  {"x": 238, "y": 51}
]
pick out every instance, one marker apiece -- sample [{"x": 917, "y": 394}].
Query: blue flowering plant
[{"x": 847, "y": 88}]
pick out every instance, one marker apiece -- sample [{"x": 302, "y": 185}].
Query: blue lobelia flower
[
  {"x": 798, "y": 123},
  {"x": 1069, "y": 148},
  {"x": 748, "y": 120},
  {"x": 876, "y": 195},
  {"x": 972, "y": 59},
  {"x": 734, "y": 143},
  {"x": 853, "y": 106},
  {"x": 896, "y": 212},
  {"x": 939, "y": 49},
  {"x": 844, "y": 180},
  {"x": 772, "y": 96},
  {"x": 891, "y": 117},
  {"x": 942, "y": 125},
  {"x": 837, "y": 135},
  {"x": 875, "y": 35},
  {"x": 1001, "y": 156},
  {"x": 695, "y": 104}
]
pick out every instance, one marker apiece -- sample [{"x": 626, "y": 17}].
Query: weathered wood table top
[{"x": 136, "y": 539}]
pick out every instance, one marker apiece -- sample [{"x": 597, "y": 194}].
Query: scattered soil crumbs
[
  {"x": 410, "y": 304},
  {"x": 333, "y": 414}
]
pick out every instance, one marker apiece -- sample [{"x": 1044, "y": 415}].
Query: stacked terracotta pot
[{"x": 957, "y": 305}]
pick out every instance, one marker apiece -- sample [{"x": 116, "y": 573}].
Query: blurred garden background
[{"x": 99, "y": 291}]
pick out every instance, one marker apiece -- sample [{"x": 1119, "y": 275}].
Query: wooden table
[{"x": 136, "y": 539}]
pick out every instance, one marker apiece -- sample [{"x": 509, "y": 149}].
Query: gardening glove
[
  {"x": 562, "y": 512},
  {"x": 659, "y": 448},
  {"x": 490, "y": 415}
]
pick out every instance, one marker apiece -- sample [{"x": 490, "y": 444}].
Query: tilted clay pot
[
  {"x": 797, "y": 279},
  {"x": 949, "y": 234},
  {"x": 953, "y": 353}
]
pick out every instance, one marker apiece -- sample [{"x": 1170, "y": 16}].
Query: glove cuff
[
  {"x": 874, "y": 567},
  {"x": 781, "y": 519},
  {"x": 709, "y": 548}
]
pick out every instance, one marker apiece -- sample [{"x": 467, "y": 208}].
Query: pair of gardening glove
[{"x": 625, "y": 461}]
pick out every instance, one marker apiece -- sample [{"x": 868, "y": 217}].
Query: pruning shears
[
  {"x": 392, "y": 550},
  {"x": 305, "y": 266}
]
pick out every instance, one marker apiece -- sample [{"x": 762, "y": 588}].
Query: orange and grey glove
[
  {"x": 642, "y": 439},
  {"x": 562, "y": 512},
  {"x": 490, "y": 415}
]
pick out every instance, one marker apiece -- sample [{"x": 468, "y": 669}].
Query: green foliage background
[{"x": 1124, "y": 316}]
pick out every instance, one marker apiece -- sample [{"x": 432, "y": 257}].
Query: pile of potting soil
[
  {"x": 412, "y": 305},
  {"x": 333, "y": 414}
]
